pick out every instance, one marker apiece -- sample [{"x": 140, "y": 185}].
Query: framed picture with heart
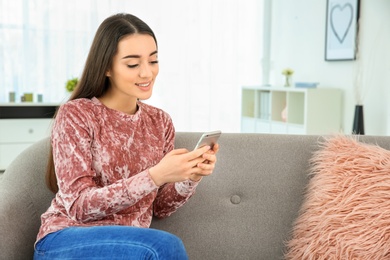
[{"x": 341, "y": 29}]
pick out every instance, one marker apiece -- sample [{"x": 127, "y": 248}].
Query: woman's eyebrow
[{"x": 139, "y": 56}]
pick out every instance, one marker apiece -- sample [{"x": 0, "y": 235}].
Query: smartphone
[{"x": 209, "y": 138}]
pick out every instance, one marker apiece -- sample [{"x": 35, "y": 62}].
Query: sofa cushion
[{"x": 346, "y": 211}]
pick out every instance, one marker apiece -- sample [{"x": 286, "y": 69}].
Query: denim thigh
[{"x": 110, "y": 242}]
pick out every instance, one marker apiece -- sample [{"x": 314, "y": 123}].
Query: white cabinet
[
  {"x": 283, "y": 110},
  {"x": 20, "y": 126}
]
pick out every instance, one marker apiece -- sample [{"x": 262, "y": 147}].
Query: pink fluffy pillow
[{"x": 346, "y": 212}]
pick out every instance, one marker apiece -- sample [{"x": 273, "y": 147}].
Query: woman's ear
[{"x": 108, "y": 73}]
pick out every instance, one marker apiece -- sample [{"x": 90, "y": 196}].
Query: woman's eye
[
  {"x": 154, "y": 62},
  {"x": 132, "y": 66}
]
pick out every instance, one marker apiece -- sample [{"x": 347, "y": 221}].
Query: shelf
[
  {"x": 290, "y": 110},
  {"x": 21, "y": 125},
  {"x": 27, "y": 110},
  {"x": 296, "y": 108},
  {"x": 17, "y": 134},
  {"x": 248, "y": 110},
  {"x": 279, "y": 102},
  {"x": 263, "y": 104}
]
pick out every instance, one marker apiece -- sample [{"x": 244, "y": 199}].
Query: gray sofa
[{"x": 245, "y": 210}]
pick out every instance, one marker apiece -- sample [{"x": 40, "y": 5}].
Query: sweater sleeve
[
  {"x": 172, "y": 196},
  {"x": 84, "y": 200}
]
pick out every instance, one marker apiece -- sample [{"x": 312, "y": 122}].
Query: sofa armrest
[{"x": 23, "y": 198}]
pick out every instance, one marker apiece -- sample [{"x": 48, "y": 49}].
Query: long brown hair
[{"x": 93, "y": 81}]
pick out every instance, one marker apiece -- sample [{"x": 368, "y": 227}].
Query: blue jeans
[{"x": 110, "y": 242}]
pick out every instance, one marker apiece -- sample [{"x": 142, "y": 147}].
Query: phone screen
[{"x": 209, "y": 138}]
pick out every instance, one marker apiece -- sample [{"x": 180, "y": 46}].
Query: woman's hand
[
  {"x": 207, "y": 165},
  {"x": 180, "y": 164}
]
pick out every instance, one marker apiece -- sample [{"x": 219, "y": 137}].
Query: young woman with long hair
[{"x": 113, "y": 163}]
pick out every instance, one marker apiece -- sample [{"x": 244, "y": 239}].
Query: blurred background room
[{"x": 221, "y": 63}]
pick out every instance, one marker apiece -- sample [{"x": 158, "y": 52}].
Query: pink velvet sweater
[{"x": 102, "y": 157}]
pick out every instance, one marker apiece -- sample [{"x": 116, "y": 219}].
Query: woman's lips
[{"x": 143, "y": 85}]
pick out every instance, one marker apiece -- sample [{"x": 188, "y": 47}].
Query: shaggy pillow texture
[{"x": 346, "y": 212}]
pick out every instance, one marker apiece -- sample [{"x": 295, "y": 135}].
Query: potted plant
[
  {"x": 287, "y": 73},
  {"x": 71, "y": 84}
]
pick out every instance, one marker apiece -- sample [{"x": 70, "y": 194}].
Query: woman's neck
[{"x": 126, "y": 105}]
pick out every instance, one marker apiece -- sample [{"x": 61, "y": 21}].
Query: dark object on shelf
[{"x": 358, "y": 121}]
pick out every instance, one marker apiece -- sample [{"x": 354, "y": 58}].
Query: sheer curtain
[
  {"x": 43, "y": 43},
  {"x": 207, "y": 51}
]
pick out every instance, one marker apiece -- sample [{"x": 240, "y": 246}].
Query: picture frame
[{"x": 341, "y": 29}]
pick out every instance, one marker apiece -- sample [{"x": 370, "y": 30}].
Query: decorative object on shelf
[
  {"x": 12, "y": 97},
  {"x": 358, "y": 121},
  {"x": 71, "y": 84},
  {"x": 341, "y": 29},
  {"x": 284, "y": 114},
  {"x": 306, "y": 84},
  {"x": 287, "y": 74},
  {"x": 40, "y": 98},
  {"x": 28, "y": 97}
]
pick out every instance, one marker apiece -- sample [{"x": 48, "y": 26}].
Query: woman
[{"x": 113, "y": 157}]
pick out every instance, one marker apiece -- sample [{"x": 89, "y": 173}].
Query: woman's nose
[{"x": 145, "y": 71}]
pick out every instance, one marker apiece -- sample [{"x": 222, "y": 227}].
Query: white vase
[{"x": 288, "y": 81}]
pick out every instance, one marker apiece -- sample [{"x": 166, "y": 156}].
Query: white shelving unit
[
  {"x": 288, "y": 110},
  {"x": 22, "y": 124}
]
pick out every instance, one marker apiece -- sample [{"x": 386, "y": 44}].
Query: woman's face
[{"x": 134, "y": 67}]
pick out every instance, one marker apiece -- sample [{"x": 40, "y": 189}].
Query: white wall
[
  {"x": 207, "y": 51},
  {"x": 298, "y": 41}
]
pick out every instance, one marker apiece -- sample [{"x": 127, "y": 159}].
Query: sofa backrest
[{"x": 244, "y": 210}]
